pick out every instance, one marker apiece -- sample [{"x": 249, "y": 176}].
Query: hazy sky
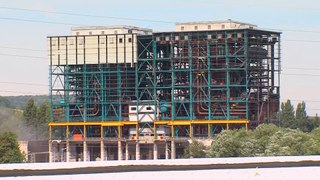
[{"x": 23, "y": 57}]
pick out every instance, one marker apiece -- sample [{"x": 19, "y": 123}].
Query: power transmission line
[
  {"x": 301, "y": 40},
  {"x": 289, "y": 74},
  {"x": 23, "y": 92},
  {"x": 38, "y": 21},
  {"x": 19, "y": 48},
  {"x": 22, "y": 83},
  {"x": 87, "y": 15},
  {"x": 117, "y": 18},
  {"x": 23, "y": 56}
]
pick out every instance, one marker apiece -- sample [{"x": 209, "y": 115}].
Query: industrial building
[{"x": 128, "y": 93}]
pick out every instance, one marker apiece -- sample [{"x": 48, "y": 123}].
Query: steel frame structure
[{"x": 202, "y": 82}]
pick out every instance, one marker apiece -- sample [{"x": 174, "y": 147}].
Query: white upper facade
[
  {"x": 213, "y": 25},
  {"x": 96, "y": 45}
]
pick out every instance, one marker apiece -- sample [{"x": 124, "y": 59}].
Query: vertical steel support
[
  {"x": 167, "y": 150},
  {"x": 50, "y": 133},
  {"x": 137, "y": 130},
  {"x": 172, "y": 131},
  {"x": 279, "y": 75},
  {"x": 137, "y": 150},
  {"x": 173, "y": 115},
  {"x": 50, "y": 83},
  {"x": 66, "y": 84},
  {"x": 50, "y": 151},
  {"x": 68, "y": 151},
  {"x": 227, "y": 75},
  {"x": 102, "y": 93},
  {"x": 84, "y": 81},
  {"x": 191, "y": 131},
  {"x": 67, "y": 132},
  {"x": 85, "y": 148},
  {"x": 119, "y": 150},
  {"x": 154, "y": 70},
  {"x": 209, "y": 78},
  {"x": 247, "y": 73},
  {"x": 173, "y": 149},
  {"x": 119, "y": 133},
  {"x": 190, "y": 79},
  {"x": 102, "y": 151},
  {"x": 127, "y": 151},
  {"x": 155, "y": 150},
  {"x": 155, "y": 131},
  {"x": 118, "y": 83}
]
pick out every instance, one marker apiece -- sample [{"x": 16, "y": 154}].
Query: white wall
[{"x": 92, "y": 49}]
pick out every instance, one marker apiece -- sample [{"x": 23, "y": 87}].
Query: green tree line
[
  {"x": 37, "y": 118},
  {"x": 265, "y": 140},
  {"x": 297, "y": 119},
  {"x": 296, "y": 134}
]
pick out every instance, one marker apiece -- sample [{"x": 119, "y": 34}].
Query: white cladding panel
[
  {"x": 71, "y": 41},
  {"x": 93, "y": 49}
]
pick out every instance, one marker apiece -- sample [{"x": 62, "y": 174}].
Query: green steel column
[
  {"x": 102, "y": 88},
  {"x": 173, "y": 116},
  {"x": 84, "y": 81},
  {"x": 137, "y": 89},
  {"x": 227, "y": 75},
  {"x": 50, "y": 81},
  {"x": 279, "y": 73},
  {"x": 154, "y": 69},
  {"x": 101, "y": 84},
  {"x": 118, "y": 82},
  {"x": 190, "y": 79},
  {"x": 247, "y": 74},
  {"x": 66, "y": 85},
  {"x": 209, "y": 77}
]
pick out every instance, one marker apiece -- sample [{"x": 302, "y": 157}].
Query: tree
[
  {"x": 287, "y": 119},
  {"x": 37, "y": 118},
  {"x": 316, "y": 119},
  {"x": 43, "y": 117},
  {"x": 4, "y": 102},
  {"x": 30, "y": 113},
  {"x": 314, "y": 122},
  {"x": 195, "y": 149},
  {"x": 287, "y": 142},
  {"x": 9, "y": 148},
  {"x": 262, "y": 136},
  {"x": 302, "y": 118},
  {"x": 229, "y": 143}
]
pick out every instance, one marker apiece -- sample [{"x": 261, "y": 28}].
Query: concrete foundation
[
  {"x": 120, "y": 150},
  {"x": 173, "y": 149},
  {"x": 137, "y": 150},
  {"x": 101, "y": 150}
]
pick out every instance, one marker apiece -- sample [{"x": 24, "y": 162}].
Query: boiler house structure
[{"x": 124, "y": 93}]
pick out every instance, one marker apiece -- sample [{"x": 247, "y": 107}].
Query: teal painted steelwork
[
  {"x": 190, "y": 80},
  {"x": 246, "y": 70},
  {"x": 197, "y": 75}
]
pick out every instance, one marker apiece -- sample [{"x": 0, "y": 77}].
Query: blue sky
[{"x": 299, "y": 49}]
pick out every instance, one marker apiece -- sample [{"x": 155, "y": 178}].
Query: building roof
[
  {"x": 110, "y": 27},
  {"x": 215, "y": 22}
]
